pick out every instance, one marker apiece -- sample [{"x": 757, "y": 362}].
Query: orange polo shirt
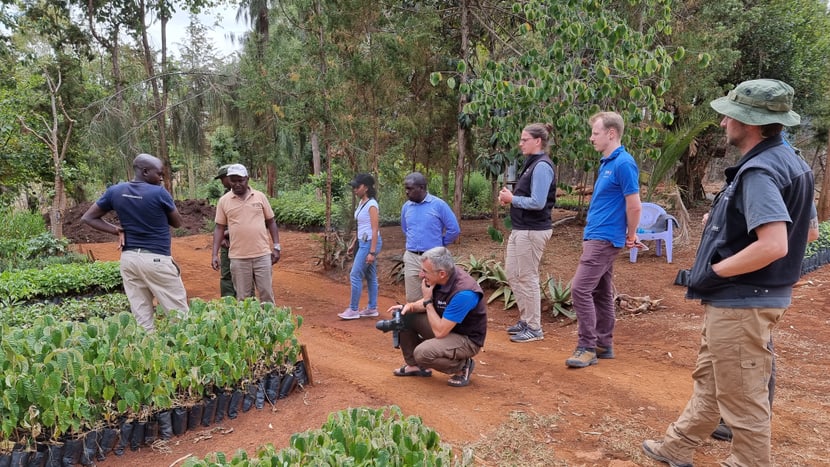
[{"x": 245, "y": 219}]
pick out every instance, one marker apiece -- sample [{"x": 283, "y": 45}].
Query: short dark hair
[{"x": 771, "y": 129}]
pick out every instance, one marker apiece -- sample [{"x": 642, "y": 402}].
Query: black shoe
[{"x": 722, "y": 432}]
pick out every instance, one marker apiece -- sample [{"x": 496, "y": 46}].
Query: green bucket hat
[
  {"x": 759, "y": 102},
  {"x": 223, "y": 172}
]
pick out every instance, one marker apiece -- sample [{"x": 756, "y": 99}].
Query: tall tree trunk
[
  {"x": 51, "y": 137},
  {"x": 823, "y": 207},
  {"x": 462, "y": 99},
  {"x": 159, "y": 100},
  {"x": 316, "y": 159}
]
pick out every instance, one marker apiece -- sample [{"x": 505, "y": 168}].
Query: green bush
[
  {"x": 301, "y": 209},
  {"x": 21, "y": 225},
  {"x": 59, "y": 280},
  {"x": 357, "y": 436},
  {"x": 823, "y": 241},
  {"x": 477, "y": 195},
  {"x": 72, "y": 309},
  {"x": 78, "y": 373},
  {"x": 25, "y": 243}
]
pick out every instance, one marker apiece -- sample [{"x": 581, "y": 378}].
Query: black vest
[
  {"x": 474, "y": 325},
  {"x": 725, "y": 232},
  {"x": 526, "y": 219}
]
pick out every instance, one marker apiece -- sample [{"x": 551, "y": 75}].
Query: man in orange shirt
[{"x": 253, "y": 231}]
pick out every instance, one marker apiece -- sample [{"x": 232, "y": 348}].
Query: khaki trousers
[
  {"x": 412, "y": 276},
  {"x": 147, "y": 275},
  {"x": 253, "y": 272},
  {"x": 522, "y": 258},
  {"x": 421, "y": 348},
  {"x": 730, "y": 381}
]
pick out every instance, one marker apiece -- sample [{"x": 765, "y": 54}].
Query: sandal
[
  {"x": 459, "y": 381},
  {"x": 419, "y": 372}
]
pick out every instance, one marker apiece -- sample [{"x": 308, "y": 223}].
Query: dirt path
[{"x": 593, "y": 416}]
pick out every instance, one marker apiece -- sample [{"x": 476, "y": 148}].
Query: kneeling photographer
[{"x": 446, "y": 328}]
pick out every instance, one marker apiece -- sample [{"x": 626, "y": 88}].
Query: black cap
[
  {"x": 223, "y": 172},
  {"x": 362, "y": 179}
]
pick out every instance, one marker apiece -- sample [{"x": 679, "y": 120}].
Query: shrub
[
  {"x": 72, "y": 309},
  {"x": 75, "y": 372},
  {"x": 356, "y": 436},
  {"x": 59, "y": 280},
  {"x": 477, "y": 195},
  {"x": 24, "y": 241},
  {"x": 302, "y": 209}
]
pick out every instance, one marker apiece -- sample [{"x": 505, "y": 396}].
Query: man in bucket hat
[{"x": 748, "y": 260}]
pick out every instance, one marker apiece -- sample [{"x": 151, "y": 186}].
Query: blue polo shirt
[{"x": 617, "y": 178}]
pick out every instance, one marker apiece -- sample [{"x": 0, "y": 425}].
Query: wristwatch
[
  {"x": 277, "y": 247},
  {"x": 427, "y": 302},
  {"x": 374, "y": 253}
]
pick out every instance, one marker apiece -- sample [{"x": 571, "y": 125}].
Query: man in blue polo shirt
[
  {"x": 613, "y": 216},
  {"x": 427, "y": 222},
  {"x": 146, "y": 212}
]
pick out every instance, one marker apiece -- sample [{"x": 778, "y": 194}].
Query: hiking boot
[
  {"x": 348, "y": 313},
  {"x": 368, "y": 312},
  {"x": 582, "y": 357},
  {"x": 722, "y": 432},
  {"x": 605, "y": 352},
  {"x": 528, "y": 335},
  {"x": 652, "y": 449},
  {"x": 517, "y": 328}
]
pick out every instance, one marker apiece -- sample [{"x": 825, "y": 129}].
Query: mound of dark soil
[{"x": 196, "y": 213}]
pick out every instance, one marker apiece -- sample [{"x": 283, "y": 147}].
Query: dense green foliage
[
  {"x": 299, "y": 209},
  {"x": 330, "y": 88},
  {"x": 61, "y": 377},
  {"x": 71, "y": 309},
  {"x": 358, "y": 437},
  {"x": 59, "y": 280},
  {"x": 822, "y": 243}
]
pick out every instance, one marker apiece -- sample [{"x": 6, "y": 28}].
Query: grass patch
[{"x": 525, "y": 439}]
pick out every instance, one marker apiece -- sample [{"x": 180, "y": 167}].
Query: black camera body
[{"x": 395, "y": 325}]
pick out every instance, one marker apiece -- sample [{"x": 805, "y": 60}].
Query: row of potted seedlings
[{"x": 75, "y": 392}]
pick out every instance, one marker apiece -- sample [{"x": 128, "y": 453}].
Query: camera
[{"x": 395, "y": 325}]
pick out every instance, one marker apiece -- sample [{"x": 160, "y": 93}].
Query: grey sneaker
[
  {"x": 652, "y": 449},
  {"x": 582, "y": 357},
  {"x": 528, "y": 335},
  {"x": 517, "y": 328},
  {"x": 368, "y": 312},
  {"x": 605, "y": 352}
]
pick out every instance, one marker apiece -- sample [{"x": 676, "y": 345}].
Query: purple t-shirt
[{"x": 142, "y": 210}]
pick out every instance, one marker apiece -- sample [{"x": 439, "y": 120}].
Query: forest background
[{"x": 322, "y": 89}]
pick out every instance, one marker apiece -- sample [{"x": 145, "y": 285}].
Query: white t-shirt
[{"x": 364, "y": 222}]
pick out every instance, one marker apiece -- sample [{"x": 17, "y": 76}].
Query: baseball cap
[
  {"x": 237, "y": 169},
  {"x": 362, "y": 179},
  {"x": 223, "y": 172},
  {"x": 759, "y": 102}
]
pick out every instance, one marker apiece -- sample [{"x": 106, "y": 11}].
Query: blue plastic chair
[{"x": 657, "y": 225}]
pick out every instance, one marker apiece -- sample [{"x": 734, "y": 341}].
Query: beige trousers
[
  {"x": 730, "y": 381},
  {"x": 522, "y": 258},
  {"x": 147, "y": 275}
]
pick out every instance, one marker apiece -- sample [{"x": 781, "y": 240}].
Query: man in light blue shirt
[{"x": 427, "y": 222}]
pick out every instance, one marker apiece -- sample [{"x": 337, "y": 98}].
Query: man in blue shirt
[
  {"x": 446, "y": 328},
  {"x": 146, "y": 212},
  {"x": 427, "y": 222},
  {"x": 613, "y": 216}
]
